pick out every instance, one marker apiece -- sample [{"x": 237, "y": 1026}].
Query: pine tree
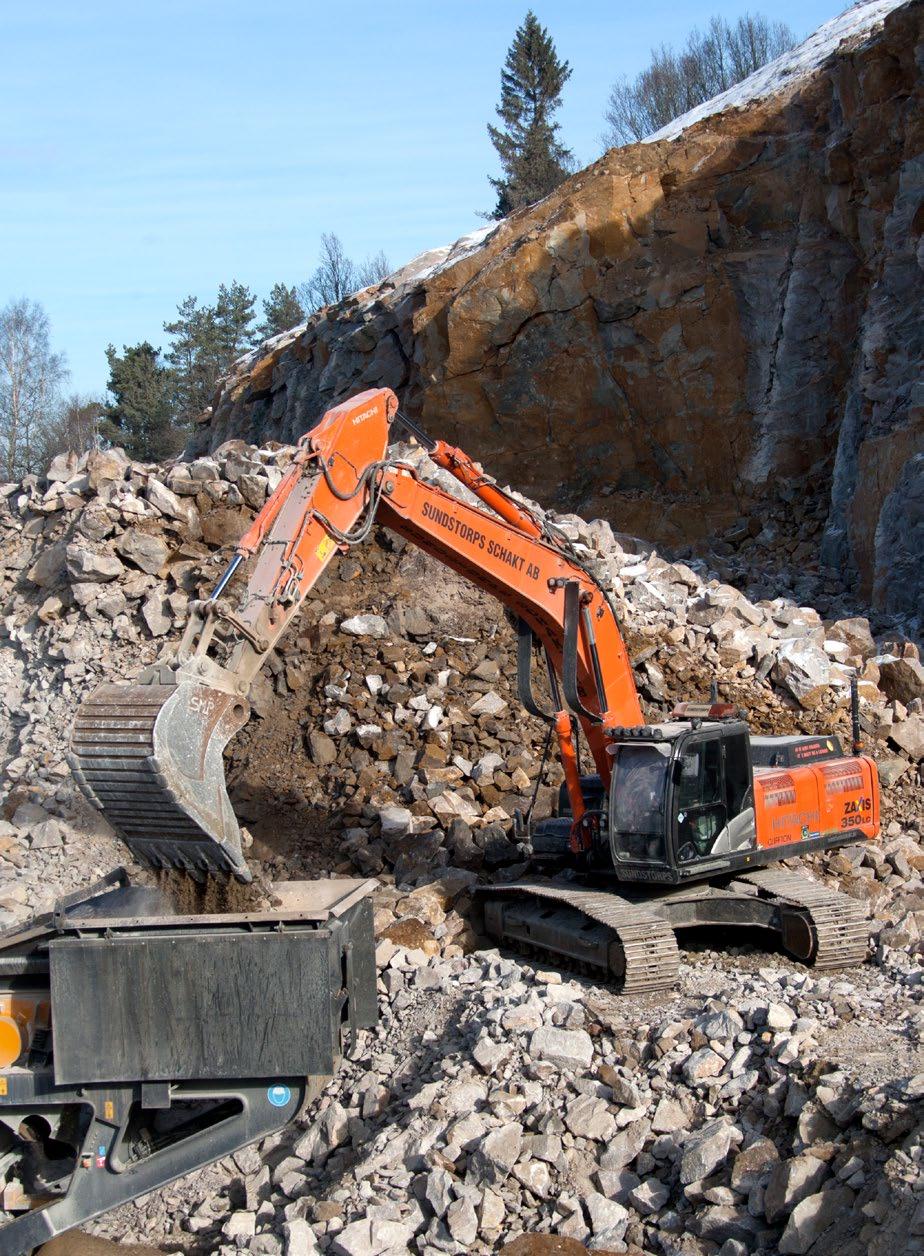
[
  {"x": 140, "y": 417},
  {"x": 532, "y": 80},
  {"x": 281, "y": 311}
]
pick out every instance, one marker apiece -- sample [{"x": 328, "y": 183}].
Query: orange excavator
[{"x": 675, "y": 827}]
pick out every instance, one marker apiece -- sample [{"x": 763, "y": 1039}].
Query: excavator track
[
  {"x": 124, "y": 752},
  {"x": 822, "y": 927},
  {"x": 625, "y": 942}
]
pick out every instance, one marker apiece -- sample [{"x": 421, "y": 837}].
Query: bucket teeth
[{"x": 150, "y": 758}]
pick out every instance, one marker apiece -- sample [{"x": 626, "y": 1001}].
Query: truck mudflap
[{"x": 149, "y": 756}]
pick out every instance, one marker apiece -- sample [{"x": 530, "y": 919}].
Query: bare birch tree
[
  {"x": 334, "y": 278},
  {"x": 30, "y": 381},
  {"x": 674, "y": 81}
]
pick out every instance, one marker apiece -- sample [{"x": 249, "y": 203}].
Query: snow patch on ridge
[{"x": 854, "y": 23}]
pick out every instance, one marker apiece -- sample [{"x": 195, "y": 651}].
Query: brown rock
[
  {"x": 908, "y": 735},
  {"x": 322, "y": 749},
  {"x": 543, "y": 1245},
  {"x": 413, "y": 934},
  {"x": 902, "y": 680},
  {"x": 106, "y": 467}
]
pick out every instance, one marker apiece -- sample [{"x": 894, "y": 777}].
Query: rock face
[{"x": 681, "y": 331}]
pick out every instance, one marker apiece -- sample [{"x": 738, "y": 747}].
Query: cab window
[
  {"x": 637, "y": 808},
  {"x": 737, "y": 774},
  {"x": 701, "y": 774},
  {"x": 699, "y": 799}
]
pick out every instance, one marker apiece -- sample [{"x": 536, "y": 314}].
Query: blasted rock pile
[{"x": 758, "y": 1109}]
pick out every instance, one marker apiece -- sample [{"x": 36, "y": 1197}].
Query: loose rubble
[{"x": 759, "y": 1108}]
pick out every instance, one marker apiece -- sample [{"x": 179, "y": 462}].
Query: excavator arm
[{"x": 149, "y": 755}]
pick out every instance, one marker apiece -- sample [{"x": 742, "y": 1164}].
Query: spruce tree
[
  {"x": 140, "y": 417},
  {"x": 234, "y": 315},
  {"x": 206, "y": 341},
  {"x": 281, "y": 311},
  {"x": 532, "y": 80},
  {"x": 196, "y": 357}
]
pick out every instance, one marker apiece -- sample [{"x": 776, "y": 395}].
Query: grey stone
[
  {"x": 892, "y": 768},
  {"x": 568, "y": 1048},
  {"x": 649, "y": 1196},
  {"x": 803, "y": 669},
  {"x": 489, "y": 703},
  {"x": 587, "y": 1117},
  {"x": 669, "y": 1116},
  {"x": 395, "y": 821},
  {"x": 240, "y": 1225},
  {"x": 365, "y": 626},
  {"x": 702, "y": 1065},
  {"x": 812, "y": 1216},
  {"x": 46, "y": 835},
  {"x": 535, "y": 1176},
  {"x": 791, "y": 1181},
  {"x": 438, "y": 1190},
  {"x": 61, "y": 468},
  {"x": 627, "y": 1144},
  {"x": 491, "y": 1056},
  {"x": 86, "y": 565},
  {"x": 705, "y": 1149},
  {"x": 462, "y": 1221},
  {"x": 28, "y": 814},
  {"x": 371, "y": 1237},
  {"x": 49, "y": 566},
  {"x": 339, "y": 723},
  {"x": 720, "y": 1025},
  {"x": 496, "y": 1154},
  {"x": 908, "y": 735},
  {"x": 143, "y": 549},
  {"x": 604, "y": 1214},
  {"x": 156, "y": 614},
  {"x": 169, "y": 504}
]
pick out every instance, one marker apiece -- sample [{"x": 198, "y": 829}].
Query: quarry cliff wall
[{"x": 680, "y": 331}]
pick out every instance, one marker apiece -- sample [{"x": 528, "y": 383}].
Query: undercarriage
[{"x": 628, "y": 938}]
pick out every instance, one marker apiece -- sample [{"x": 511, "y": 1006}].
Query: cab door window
[
  {"x": 700, "y": 798},
  {"x": 737, "y": 774}
]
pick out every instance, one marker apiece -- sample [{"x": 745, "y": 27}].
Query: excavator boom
[{"x": 149, "y": 755}]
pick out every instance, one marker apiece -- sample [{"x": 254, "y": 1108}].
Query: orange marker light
[{"x": 11, "y": 1044}]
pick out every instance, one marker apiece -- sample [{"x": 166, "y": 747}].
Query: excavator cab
[{"x": 681, "y": 797}]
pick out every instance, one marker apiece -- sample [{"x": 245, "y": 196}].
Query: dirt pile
[{"x": 701, "y": 337}]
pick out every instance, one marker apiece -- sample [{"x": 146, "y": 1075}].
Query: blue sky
[{"x": 148, "y": 151}]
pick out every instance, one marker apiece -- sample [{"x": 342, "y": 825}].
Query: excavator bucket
[{"x": 149, "y": 756}]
